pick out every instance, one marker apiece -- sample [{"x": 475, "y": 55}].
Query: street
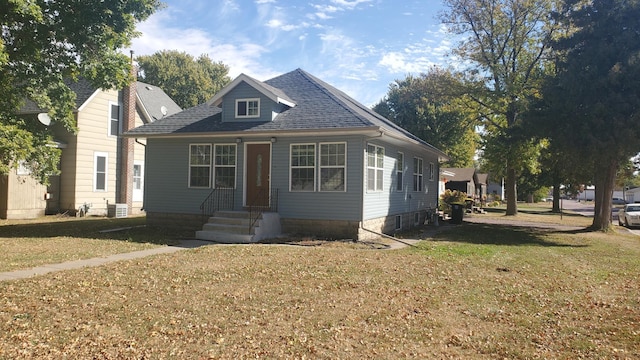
[{"x": 586, "y": 209}]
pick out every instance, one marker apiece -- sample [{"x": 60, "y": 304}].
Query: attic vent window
[{"x": 247, "y": 108}]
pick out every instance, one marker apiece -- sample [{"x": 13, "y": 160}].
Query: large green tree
[
  {"x": 187, "y": 80},
  {"x": 595, "y": 93},
  {"x": 432, "y": 107},
  {"x": 505, "y": 43},
  {"x": 42, "y": 43}
]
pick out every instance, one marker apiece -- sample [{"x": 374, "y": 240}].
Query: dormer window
[{"x": 247, "y": 108}]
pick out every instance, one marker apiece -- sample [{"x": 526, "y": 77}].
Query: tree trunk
[
  {"x": 604, "y": 183},
  {"x": 556, "y": 198},
  {"x": 511, "y": 193}
]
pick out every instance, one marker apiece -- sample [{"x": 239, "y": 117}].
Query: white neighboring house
[
  {"x": 98, "y": 166},
  {"x": 632, "y": 195}
]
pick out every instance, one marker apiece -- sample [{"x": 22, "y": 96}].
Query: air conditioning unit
[{"x": 117, "y": 210}]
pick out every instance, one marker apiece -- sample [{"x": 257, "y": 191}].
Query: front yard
[{"x": 476, "y": 291}]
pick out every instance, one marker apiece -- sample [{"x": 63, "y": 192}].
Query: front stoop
[{"x": 232, "y": 227}]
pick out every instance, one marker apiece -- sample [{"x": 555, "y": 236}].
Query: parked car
[
  {"x": 618, "y": 201},
  {"x": 629, "y": 215}
]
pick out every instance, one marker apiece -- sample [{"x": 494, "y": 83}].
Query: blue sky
[{"x": 359, "y": 46}]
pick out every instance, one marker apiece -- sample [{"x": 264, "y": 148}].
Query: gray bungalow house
[{"x": 290, "y": 155}]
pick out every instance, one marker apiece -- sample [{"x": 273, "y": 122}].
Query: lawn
[
  {"x": 475, "y": 291},
  {"x": 29, "y": 243}
]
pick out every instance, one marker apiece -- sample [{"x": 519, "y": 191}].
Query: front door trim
[{"x": 247, "y": 163}]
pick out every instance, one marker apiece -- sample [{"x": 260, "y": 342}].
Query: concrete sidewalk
[
  {"x": 77, "y": 264},
  {"x": 185, "y": 244}
]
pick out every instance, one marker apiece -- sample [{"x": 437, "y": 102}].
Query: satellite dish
[
  {"x": 163, "y": 110},
  {"x": 44, "y": 119}
]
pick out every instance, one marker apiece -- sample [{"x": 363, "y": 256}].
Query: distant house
[
  {"x": 98, "y": 166},
  {"x": 292, "y": 154},
  {"x": 467, "y": 180}
]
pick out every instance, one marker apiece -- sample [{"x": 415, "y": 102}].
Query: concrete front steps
[{"x": 233, "y": 227}]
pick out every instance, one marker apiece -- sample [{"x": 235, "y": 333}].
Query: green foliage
[
  {"x": 506, "y": 43},
  {"x": 598, "y": 122},
  {"x": 42, "y": 43},
  {"x": 449, "y": 197},
  {"x": 433, "y": 107},
  {"x": 186, "y": 80}
]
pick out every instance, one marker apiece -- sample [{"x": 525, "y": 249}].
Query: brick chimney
[{"x": 125, "y": 193}]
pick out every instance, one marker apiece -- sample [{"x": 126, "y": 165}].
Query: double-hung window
[
  {"x": 333, "y": 166},
  {"x": 225, "y": 166},
  {"x": 399, "y": 171},
  {"x": 200, "y": 165},
  {"x": 115, "y": 115},
  {"x": 303, "y": 167},
  {"x": 375, "y": 168},
  {"x": 247, "y": 108},
  {"x": 418, "y": 172},
  {"x": 137, "y": 177},
  {"x": 100, "y": 164}
]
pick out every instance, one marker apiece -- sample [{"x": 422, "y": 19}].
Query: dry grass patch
[
  {"x": 473, "y": 292},
  {"x": 29, "y": 243}
]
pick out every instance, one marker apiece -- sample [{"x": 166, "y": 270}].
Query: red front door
[{"x": 258, "y": 171}]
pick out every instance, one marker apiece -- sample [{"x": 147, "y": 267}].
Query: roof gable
[{"x": 275, "y": 94}]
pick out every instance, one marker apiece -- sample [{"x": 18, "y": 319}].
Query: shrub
[{"x": 449, "y": 197}]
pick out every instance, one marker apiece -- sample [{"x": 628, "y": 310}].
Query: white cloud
[
  {"x": 259, "y": 2},
  {"x": 349, "y": 4},
  {"x": 241, "y": 57}
]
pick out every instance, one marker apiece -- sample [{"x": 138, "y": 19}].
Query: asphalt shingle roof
[
  {"x": 154, "y": 99},
  {"x": 82, "y": 88},
  {"x": 461, "y": 174},
  {"x": 319, "y": 106}
]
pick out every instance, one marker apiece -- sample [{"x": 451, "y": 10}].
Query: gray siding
[
  {"x": 390, "y": 201},
  {"x": 167, "y": 163},
  {"x": 244, "y": 91},
  {"x": 320, "y": 205}
]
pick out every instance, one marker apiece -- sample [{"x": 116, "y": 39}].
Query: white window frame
[
  {"x": 321, "y": 166},
  {"x": 248, "y": 115},
  {"x": 137, "y": 185},
  {"x": 97, "y": 155},
  {"x": 400, "y": 171},
  {"x": 418, "y": 174},
  {"x": 209, "y": 166},
  {"x": 378, "y": 169},
  {"x": 216, "y": 165},
  {"x": 432, "y": 171},
  {"x": 111, "y": 118},
  {"x": 313, "y": 166},
  {"x": 138, "y": 192}
]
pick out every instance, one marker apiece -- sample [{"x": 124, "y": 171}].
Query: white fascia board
[
  {"x": 217, "y": 98},
  {"x": 88, "y": 100}
]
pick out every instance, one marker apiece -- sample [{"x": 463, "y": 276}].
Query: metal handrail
[
  {"x": 256, "y": 211},
  {"x": 218, "y": 199}
]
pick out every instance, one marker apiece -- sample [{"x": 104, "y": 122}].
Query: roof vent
[{"x": 149, "y": 88}]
